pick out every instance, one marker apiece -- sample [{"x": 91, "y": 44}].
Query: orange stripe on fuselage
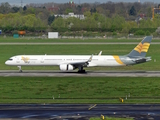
[{"x": 118, "y": 60}]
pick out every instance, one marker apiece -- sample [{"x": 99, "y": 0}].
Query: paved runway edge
[{"x": 49, "y": 73}]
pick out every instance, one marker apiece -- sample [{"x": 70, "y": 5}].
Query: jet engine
[{"x": 66, "y": 67}]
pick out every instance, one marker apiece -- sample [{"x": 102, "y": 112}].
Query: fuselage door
[
  {"x": 42, "y": 60},
  {"x": 105, "y": 59},
  {"x": 17, "y": 59}
]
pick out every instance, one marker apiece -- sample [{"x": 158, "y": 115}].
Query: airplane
[{"x": 72, "y": 62}]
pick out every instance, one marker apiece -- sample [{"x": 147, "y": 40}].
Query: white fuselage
[
  {"x": 46, "y": 60},
  {"x": 72, "y": 62}
]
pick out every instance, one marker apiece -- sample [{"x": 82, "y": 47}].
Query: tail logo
[{"x": 142, "y": 47}]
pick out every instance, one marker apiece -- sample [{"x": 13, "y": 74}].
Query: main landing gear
[
  {"x": 81, "y": 70},
  {"x": 20, "y": 70}
]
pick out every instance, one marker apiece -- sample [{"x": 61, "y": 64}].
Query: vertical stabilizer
[{"x": 142, "y": 48}]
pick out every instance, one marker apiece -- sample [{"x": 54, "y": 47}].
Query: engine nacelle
[{"x": 66, "y": 67}]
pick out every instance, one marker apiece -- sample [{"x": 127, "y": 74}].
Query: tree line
[{"x": 97, "y": 18}]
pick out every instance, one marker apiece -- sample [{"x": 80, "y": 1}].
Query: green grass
[
  {"x": 7, "y": 51},
  {"x": 32, "y": 39},
  {"x": 79, "y": 89}
]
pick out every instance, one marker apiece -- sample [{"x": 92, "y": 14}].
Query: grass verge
[
  {"x": 79, "y": 90},
  {"x": 34, "y": 40}
]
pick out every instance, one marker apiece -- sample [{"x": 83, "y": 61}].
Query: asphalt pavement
[
  {"x": 49, "y": 73},
  {"x": 79, "y": 111}
]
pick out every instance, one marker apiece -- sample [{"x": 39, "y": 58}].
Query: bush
[
  {"x": 148, "y": 33},
  {"x": 134, "y": 30},
  {"x": 140, "y": 32},
  {"x": 114, "y": 34},
  {"x": 155, "y": 34},
  {"x": 14, "y": 32}
]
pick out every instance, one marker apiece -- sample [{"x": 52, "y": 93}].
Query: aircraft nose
[{"x": 7, "y": 63}]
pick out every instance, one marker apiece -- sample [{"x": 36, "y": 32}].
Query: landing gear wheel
[
  {"x": 81, "y": 71},
  {"x": 20, "y": 70}
]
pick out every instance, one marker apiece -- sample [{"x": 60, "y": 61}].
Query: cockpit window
[{"x": 10, "y": 59}]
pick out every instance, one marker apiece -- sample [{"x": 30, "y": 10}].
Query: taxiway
[
  {"x": 79, "y": 111},
  {"x": 27, "y": 73}
]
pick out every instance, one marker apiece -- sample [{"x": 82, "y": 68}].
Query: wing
[{"x": 82, "y": 63}]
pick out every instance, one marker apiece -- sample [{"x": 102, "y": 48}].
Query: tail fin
[{"x": 142, "y": 48}]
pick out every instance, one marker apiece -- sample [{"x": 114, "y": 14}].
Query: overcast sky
[{"x": 18, "y": 2}]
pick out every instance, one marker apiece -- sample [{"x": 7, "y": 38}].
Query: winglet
[
  {"x": 90, "y": 59},
  {"x": 100, "y": 53}
]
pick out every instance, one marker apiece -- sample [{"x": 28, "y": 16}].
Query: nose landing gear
[{"x": 20, "y": 70}]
